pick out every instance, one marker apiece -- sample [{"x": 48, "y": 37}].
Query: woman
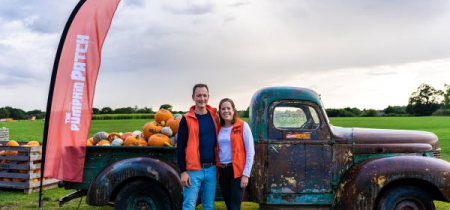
[{"x": 236, "y": 153}]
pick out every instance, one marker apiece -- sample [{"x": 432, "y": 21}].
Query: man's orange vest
[
  {"x": 238, "y": 153},
  {"x": 192, "y": 153}
]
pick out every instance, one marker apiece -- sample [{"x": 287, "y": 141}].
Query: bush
[{"x": 442, "y": 112}]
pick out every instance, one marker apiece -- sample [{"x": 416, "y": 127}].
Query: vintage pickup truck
[{"x": 301, "y": 162}]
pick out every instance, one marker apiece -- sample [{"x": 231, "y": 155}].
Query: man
[{"x": 196, "y": 150}]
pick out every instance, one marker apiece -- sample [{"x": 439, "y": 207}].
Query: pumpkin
[
  {"x": 12, "y": 143},
  {"x": 90, "y": 142},
  {"x": 113, "y": 136},
  {"x": 142, "y": 142},
  {"x": 102, "y": 135},
  {"x": 104, "y": 143},
  {"x": 7, "y": 180},
  {"x": 167, "y": 131},
  {"x": 124, "y": 136},
  {"x": 173, "y": 123},
  {"x": 130, "y": 141},
  {"x": 150, "y": 129},
  {"x": 136, "y": 133},
  {"x": 3, "y": 152},
  {"x": 117, "y": 142},
  {"x": 173, "y": 140},
  {"x": 162, "y": 116},
  {"x": 33, "y": 144},
  {"x": 35, "y": 180},
  {"x": 158, "y": 140}
]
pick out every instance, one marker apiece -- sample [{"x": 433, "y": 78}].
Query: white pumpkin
[{"x": 166, "y": 131}]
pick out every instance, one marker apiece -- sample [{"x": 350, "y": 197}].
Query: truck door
[{"x": 299, "y": 154}]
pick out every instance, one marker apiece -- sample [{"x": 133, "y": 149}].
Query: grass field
[{"x": 33, "y": 130}]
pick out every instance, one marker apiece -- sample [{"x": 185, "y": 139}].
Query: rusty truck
[{"x": 301, "y": 161}]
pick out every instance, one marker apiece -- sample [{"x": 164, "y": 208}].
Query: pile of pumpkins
[
  {"x": 13, "y": 143},
  {"x": 161, "y": 132}
]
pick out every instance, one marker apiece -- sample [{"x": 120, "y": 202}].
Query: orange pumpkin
[
  {"x": 33, "y": 144},
  {"x": 142, "y": 142},
  {"x": 162, "y": 116},
  {"x": 131, "y": 141},
  {"x": 124, "y": 136},
  {"x": 90, "y": 142},
  {"x": 173, "y": 123},
  {"x": 7, "y": 180},
  {"x": 158, "y": 140},
  {"x": 104, "y": 143},
  {"x": 151, "y": 128},
  {"x": 113, "y": 136},
  {"x": 12, "y": 143}
]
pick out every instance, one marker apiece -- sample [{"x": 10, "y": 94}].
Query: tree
[
  {"x": 424, "y": 101},
  {"x": 244, "y": 113},
  {"x": 4, "y": 112},
  {"x": 106, "y": 110},
  {"x": 145, "y": 110},
  {"x": 370, "y": 113},
  {"x": 95, "y": 111},
  {"x": 37, "y": 113},
  {"x": 447, "y": 97},
  {"x": 166, "y": 107},
  {"x": 395, "y": 110},
  {"x": 124, "y": 110}
]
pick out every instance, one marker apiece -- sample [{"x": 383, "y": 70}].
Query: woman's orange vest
[
  {"x": 238, "y": 153},
  {"x": 192, "y": 153}
]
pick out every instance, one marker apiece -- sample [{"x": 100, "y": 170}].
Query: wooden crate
[
  {"x": 4, "y": 134},
  {"x": 26, "y": 161}
]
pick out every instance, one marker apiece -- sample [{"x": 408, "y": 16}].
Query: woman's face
[{"x": 226, "y": 111}]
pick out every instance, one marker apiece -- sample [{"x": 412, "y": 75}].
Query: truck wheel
[
  {"x": 142, "y": 194},
  {"x": 405, "y": 198}
]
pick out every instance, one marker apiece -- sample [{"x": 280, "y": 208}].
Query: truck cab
[{"x": 301, "y": 160}]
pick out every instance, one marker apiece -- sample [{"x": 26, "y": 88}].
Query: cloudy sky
[{"x": 366, "y": 54}]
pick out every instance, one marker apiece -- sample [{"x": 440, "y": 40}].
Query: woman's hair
[{"x": 235, "y": 115}]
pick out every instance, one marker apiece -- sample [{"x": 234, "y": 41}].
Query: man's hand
[
  {"x": 185, "y": 179},
  {"x": 244, "y": 181}
]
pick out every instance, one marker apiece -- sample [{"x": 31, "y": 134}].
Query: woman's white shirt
[{"x": 225, "y": 156}]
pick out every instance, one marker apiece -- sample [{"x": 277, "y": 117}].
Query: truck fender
[
  {"x": 361, "y": 184},
  {"x": 111, "y": 177}
]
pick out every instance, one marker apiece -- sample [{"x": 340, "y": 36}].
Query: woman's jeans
[
  {"x": 206, "y": 180},
  {"x": 231, "y": 188}
]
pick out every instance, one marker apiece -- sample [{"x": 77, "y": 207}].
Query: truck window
[{"x": 300, "y": 117}]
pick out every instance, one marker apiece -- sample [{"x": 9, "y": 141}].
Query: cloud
[
  {"x": 190, "y": 9},
  {"x": 235, "y": 47}
]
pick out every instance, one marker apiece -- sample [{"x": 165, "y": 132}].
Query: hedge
[{"x": 121, "y": 116}]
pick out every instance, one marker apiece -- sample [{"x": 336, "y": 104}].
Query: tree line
[{"x": 425, "y": 101}]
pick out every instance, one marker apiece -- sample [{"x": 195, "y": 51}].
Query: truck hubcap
[
  {"x": 141, "y": 202},
  {"x": 409, "y": 205}
]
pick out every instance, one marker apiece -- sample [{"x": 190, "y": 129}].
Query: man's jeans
[{"x": 206, "y": 180}]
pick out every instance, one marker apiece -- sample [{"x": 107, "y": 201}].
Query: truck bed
[{"x": 98, "y": 157}]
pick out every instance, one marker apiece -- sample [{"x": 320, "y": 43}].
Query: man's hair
[
  {"x": 235, "y": 115},
  {"x": 199, "y": 86}
]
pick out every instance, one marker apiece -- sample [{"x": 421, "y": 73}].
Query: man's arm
[{"x": 181, "y": 144}]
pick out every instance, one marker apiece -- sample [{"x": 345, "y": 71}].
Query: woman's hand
[{"x": 244, "y": 181}]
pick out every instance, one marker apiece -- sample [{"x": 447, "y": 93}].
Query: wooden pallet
[
  {"x": 21, "y": 169},
  {"x": 4, "y": 134}
]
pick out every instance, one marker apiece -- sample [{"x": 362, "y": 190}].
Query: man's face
[{"x": 201, "y": 97}]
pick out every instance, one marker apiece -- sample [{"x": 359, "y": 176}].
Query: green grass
[{"x": 33, "y": 130}]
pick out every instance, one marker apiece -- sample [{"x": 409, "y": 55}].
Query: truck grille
[{"x": 437, "y": 153}]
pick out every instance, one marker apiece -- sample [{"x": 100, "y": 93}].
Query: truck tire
[
  {"x": 142, "y": 194},
  {"x": 405, "y": 198}
]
